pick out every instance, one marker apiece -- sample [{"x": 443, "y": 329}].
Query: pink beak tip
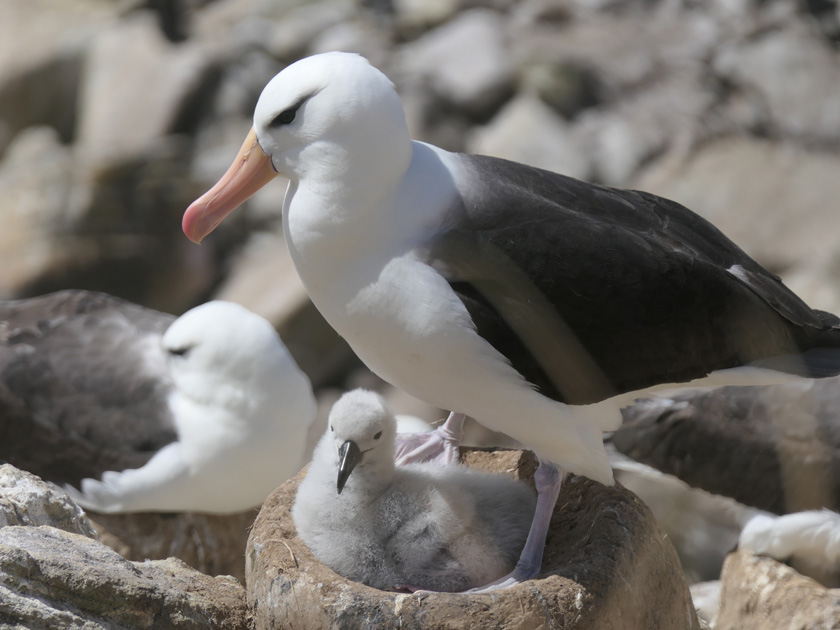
[{"x": 189, "y": 224}]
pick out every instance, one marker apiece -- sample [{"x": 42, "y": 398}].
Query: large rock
[
  {"x": 65, "y": 225},
  {"x": 527, "y": 130},
  {"x": 465, "y": 62},
  {"x": 776, "y": 201},
  {"x": 135, "y": 85},
  {"x": 37, "y": 180},
  {"x": 792, "y": 79},
  {"x": 38, "y": 83},
  {"x": 211, "y": 543},
  {"x": 642, "y": 126},
  {"x": 53, "y": 579},
  {"x": 761, "y": 593},
  {"x": 624, "y": 51},
  {"x": 53, "y": 574},
  {"x": 26, "y": 500},
  {"x": 606, "y": 565},
  {"x": 817, "y": 279}
]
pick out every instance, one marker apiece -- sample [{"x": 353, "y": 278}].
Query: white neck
[{"x": 344, "y": 222}]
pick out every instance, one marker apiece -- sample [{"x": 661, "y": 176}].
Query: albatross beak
[
  {"x": 250, "y": 171},
  {"x": 350, "y": 456}
]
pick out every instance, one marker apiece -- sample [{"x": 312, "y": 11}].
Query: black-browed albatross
[
  {"x": 535, "y": 303},
  {"x": 206, "y": 413}
]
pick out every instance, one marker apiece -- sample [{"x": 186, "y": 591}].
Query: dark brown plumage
[{"x": 83, "y": 385}]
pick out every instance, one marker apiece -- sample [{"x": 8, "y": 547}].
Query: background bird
[
  {"x": 808, "y": 540},
  {"x": 241, "y": 409},
  {"x": 418, "y": 526},
  {"x": 776, "y": 448},
  {"x": 533, "y": 302}
]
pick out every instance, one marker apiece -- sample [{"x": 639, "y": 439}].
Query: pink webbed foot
[{"x": 440, "y": 445}]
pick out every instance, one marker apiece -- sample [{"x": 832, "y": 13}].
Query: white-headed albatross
[
  {"x": 535, "y": 303},
  {"x": 207, "y": 412}
]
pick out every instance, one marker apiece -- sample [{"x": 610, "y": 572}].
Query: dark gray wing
[
  {"x": 591, "y": 291},
  {"x": 776, "y": 448},
  {"x": 82, "y": 389}
]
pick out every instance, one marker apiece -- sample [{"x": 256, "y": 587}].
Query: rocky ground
[{"x": 115, "y": 115}]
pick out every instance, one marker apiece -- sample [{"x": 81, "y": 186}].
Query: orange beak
[{"x": 250, "y": 171}]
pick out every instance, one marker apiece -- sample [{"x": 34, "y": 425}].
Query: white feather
[{"x": 241, "y": 408}]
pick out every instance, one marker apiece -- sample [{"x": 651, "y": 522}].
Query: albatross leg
[
  {"x": 440, "y": 445},
  {"x": 548, "y": 480}
]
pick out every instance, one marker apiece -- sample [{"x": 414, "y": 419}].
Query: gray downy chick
[{"x": 418, "y": 526}]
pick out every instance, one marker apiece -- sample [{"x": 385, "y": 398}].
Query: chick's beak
[
  {"x": 250, "y": 171},
  {"x": 350, "y": 455}
]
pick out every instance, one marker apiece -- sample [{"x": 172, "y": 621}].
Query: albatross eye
[
  {"x": 285, "y": 117},
  {"x": 378, "y": 435},
  {"x": 179, "y": 352}
]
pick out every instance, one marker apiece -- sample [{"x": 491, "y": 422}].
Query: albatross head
[
  {"x": 222, "y": 354},
  {"x": 363, "y": 429},
  {"x": 311, "y": 120}
]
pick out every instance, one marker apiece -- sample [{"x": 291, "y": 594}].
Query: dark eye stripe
[
  {"x": 287, "y": 116},
  {"x": 284, "y": 118}
]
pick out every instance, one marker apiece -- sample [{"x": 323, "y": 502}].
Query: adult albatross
[
  {"x": 535, "y": 303},
  {"x": 207, "y": 412}
]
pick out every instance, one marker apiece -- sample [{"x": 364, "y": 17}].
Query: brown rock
[
  {"x": 606, "y": 565},
  {"x": 762, "y": 593},
  {"x": 211, "y": 543},
  {"x": 55, "y": 579}
]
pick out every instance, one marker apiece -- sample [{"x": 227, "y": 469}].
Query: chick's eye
[
  {"x": 179, "y": 352},
  {"x": 332, "y": 428},
  {"x": 378, "y": 435}
]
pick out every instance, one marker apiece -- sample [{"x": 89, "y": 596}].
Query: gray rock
[
  {"x": 567, "y": 88},
  {"x": 623, "y": 137},
  {"x": 38, "y": 82},
  {"x": 625, "y": 52},
  {"x": 284, "y": 28},
  {"x": 36, "y": 205},
  {"x": 413, "y": 16},
  {"x": 792, "y": 79},
  {"x": 760, "y": 593},
  {"x": 527, "y": 130},
  {"x": 26, "y": 500},
  {"x": 362, "y": 36},
  {"x": 134, "y": 86},
  {"x": 817, "y": 280},
  {"x": 211, "y": 543},
  {"x": 465, "y": 61},
  {"x": 53, "y": 579},
  {"x": 776, "y": 201}
]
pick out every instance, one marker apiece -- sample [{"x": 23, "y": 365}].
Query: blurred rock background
[{"x": 116, "y": 114}]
